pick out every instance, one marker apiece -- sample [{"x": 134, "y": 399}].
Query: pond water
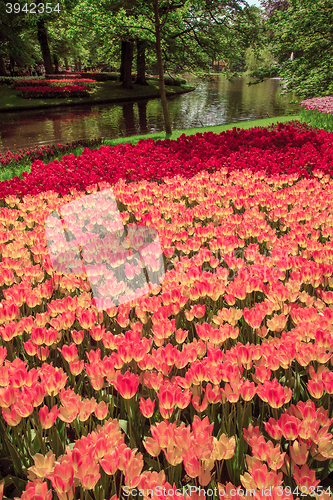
[{"x": 213, "y": 102}]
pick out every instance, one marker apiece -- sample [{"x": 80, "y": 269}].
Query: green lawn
[{"x": 110, "y": 91}]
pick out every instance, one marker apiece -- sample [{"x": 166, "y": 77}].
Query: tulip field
[
  {"x": 319, "y": 112},
  {"x": 218, "y": 383},
  {"x": 66, "y": 87}
]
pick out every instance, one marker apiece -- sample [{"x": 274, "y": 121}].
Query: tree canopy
[{"x": 301, "y": 36}]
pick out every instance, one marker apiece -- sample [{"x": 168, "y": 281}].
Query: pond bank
[{"x": 105, "y": 92}]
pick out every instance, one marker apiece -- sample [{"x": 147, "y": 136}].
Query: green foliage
[
  {"x": 261, "y": 73},
  {"x": 317, "y": 119},
  {"x": 14, "y": 35},
  {"x": 264, "y": 59},
  {"x": 89, "y": 32},
  {"x": 305, "y": 29},
  {"x": 174, "y": 80}
]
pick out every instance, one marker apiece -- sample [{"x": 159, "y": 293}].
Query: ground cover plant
[
  {"x": 319, "y": 112},
  {"x": 222, "y": 376}
]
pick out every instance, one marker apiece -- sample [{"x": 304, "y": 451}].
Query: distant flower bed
[
  {"x": 55, "y": 83},
  {"x": 8, "y": 80},
  {"x": 100, "y": 77},
  {"x": 53, "y": 92},
  {"x": 62, "y": 76},
  {"x": 322, "y": 104},
  {"x": 12, "y": 159},
  {"x": 318, "y": 111}
]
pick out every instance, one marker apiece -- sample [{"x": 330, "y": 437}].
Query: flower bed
[
  {"x": 52, "y": 92},
  {"x": 56, "y": 83},
  {"x": 25, "y": 156},
  {"x": 323, "y": 104},
  {"x": 319, "y": 112},
  {"x": 8, "y": 80},
  {"x": 94, "y": 76},
  {"x": 286, "y": 148},
  {"x": 221, "y": 377}
]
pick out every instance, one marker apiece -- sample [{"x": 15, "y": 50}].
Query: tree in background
[
  {"x": 15, "y": 39},
  {"x": 44, "y": 45},
  {"x": 304, "y": 29},
  {"x": 265, "y": 59},
  {"x": 271, "y": 6},
  {"x": 27, "y": 37},
  {"x": 173, "y": 35}
]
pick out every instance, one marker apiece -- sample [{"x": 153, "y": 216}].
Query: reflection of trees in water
[
  {"x": 130, "y": 118},
  {"x": 63, "y": 115},
  {"x": 142, "y": 106},
  {"x": 128, "y": 114},
  {"x": 57, "y": 131},
  {"x": 212, "y": 103}
]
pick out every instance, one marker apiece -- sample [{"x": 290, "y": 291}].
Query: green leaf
[
  {"x": 153, "y": 464},
  {"x": 19, "y": 483},
  {"x": 16, "y": 459},
  {"x": 36, "y": 445},
  {"x": 57, "y": 445},
  {"x": 124, "y": 426}
]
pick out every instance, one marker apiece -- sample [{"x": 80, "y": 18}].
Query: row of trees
[
  {"x": 304, "y": 28},
  {"x": 176, "y": 35},
  {"x": 89, "y": 32}
]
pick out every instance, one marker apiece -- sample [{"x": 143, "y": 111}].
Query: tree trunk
[
  {"x": 44, "y": 45},
  {"x": 56, "y": 64},
  {"x": 66, "y": 63},
  {"x": 3, "y": 71},
  {"x": 78, "y": 65},
  {"x": 12, "y": 65},
  {"x": 167, "y": 120},
  {"x": 128, "y": 59},
  {"x": 122, "y": 61},
  {"x": 141, "y": 62}
]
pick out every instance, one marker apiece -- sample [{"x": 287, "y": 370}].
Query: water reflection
[{"x": 212, "y": 103}]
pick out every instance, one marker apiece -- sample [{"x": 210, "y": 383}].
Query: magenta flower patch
[{"x": 321, "y": 104}]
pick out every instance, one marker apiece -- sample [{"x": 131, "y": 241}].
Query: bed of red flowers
[
  {"x": 285, "y": 148},
  {"x": 56, "y": 83},
  {"x": 221, "y": 377},
  {"x": 49, "y": 91}
]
